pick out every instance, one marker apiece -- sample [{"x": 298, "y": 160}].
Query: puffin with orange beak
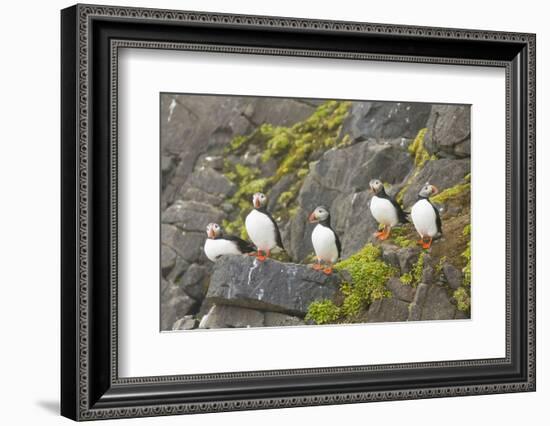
[
  {"x": 425, "y": 216},
  {"x": 217, "y": 244},
  {"x": 262, "y": 228},
  {"x": 325, "y": 241},
  {"x": 385, "y": 209}
]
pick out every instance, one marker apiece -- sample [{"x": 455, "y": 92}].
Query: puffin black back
[{"x": 352, "y": 207}]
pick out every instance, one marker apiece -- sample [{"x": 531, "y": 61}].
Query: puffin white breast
[
  {"x": 383, "y": 211},
  {"x": 261, "y": 230},
  {"x": 219, "y": 247},
  {"x": 424, "y": 218},
  {"x": 324, "y": 243}
]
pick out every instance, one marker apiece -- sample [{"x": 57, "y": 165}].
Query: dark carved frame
[{"x": 91, "y": 37}]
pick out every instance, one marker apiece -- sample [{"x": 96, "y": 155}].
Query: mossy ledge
[
  {"x": 368, "y": 275},
  {"x": 452, "y": 192}
]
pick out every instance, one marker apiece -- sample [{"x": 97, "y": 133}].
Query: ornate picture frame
[{"x": 91, "y": 37}]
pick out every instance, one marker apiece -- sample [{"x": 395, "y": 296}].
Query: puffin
[
  {"x": 385, "y": 209},
  {"x": 217, "y": 244},
  {"x": 262, "y": 228},
  {"x": 325, "y": 241},
  {"x": 425, "y": 216}
]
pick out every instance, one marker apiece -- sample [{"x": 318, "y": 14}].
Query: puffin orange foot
[
  {"x": 261, "y": 257},
  {"x": 327, "y": 270},
  {"x": 427, "y": 245},
  {"x": 384, "y": 236},
  {"x": 378, "y": 234}
]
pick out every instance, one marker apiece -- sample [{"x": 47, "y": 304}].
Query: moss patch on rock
[
  {"x": 414, "y": 277},
  {"x": 291, "y": 148},
  {"x": 401, "y": 236},
  {"x": 462, "y": 297},
  {"x": 416, "y": 148},
  {"x": 449, "y": 193},
  {"x": 368, "y": 275},
  {"x": 323, "y": 312},
  {"x": 421, "y": 156}
]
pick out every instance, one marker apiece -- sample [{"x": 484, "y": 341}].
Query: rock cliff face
[{"x": 217, "y": 151}]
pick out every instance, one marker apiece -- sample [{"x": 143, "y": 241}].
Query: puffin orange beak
[
  {"x": 312, "y": 218},
  {"x": 257, "y": 202},
  {"x": 210, "y": 233},
  {"x": 434, "y": 190}
]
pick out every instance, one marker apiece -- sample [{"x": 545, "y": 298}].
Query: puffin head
[
  {"x": 376, "y": 185},
  {"x": 428, "y": 190},
  {"x": 259, "y": 200},
  {"x": 319, "y": 214},
  {"x": 213, "y": 230}
]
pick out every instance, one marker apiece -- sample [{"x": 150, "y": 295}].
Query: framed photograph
[{"x": 263, "y": 212}]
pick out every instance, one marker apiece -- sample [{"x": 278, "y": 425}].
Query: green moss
[
  {"x": 292, "y": 211},
  {"x": 406, "y": 278},
  {"x": 414, "y": 277},
  {"x": 237, "y": 142},
  {"x": 416, "y": 148},
  {"x": 467, "y": 270},
  {"x": 418, "y": 268},
  {"x": 249, "y": 183},
  {"x": 403, "y": 242},
  {"x": 398, "y": 231},
  {"x": 421, "y": 156},
  {"x": 320, "y": 131},
  {"x": 368, "y": 278},
  {"x": 449, "y": 193},
  {"x": 323, "y": 312},
  {"x": 278, "y": 143},
  {"x": 467, "y": 230},
  {"x": 286, "y": 197},
  {"x": 439, "y": 266},
  {"x": 346, "y": 140},
  {"x": 302, "y": 173},
  {"x": 462, "y": 297},
  {"x": 290, "y": 148}
]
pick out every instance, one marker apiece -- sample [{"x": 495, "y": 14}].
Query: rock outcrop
[
  {"x": 386, "y": 120},
  {"x": 271, "y": 286}
]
